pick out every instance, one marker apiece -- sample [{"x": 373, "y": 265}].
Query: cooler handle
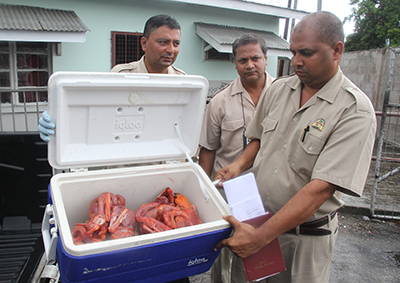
[
  {"x": 202, "y": 186},
  {"x": 49, "y": 234}
]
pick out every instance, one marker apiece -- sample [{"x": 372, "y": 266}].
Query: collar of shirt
[
  {"x": 238, "y": 88},
  {"x": 142, "y": 67},
  {"x": 328, "y": 92}
]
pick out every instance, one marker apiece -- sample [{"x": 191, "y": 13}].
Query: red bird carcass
[{"x": 167, "y": 211}]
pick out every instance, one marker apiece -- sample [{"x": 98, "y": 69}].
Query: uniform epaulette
[
  {"x": 222, "y": 88},
  {"x": 362, "y": 100},
  {"x": 225, "y": 86},
  {"x": 178, "y": 70},
  {"x": 123, "y": 67},
  {"x": 283, "y": 77}
]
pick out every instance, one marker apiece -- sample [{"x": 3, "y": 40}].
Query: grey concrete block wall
[{"x": 369, "y": 71}]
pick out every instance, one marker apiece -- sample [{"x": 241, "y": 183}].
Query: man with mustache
[
  {"x": 228, "y": 114},
  {"x": 311, "y": 141},
  {"x": 230, "y": 110},
  {"x": 160, "y": 43}
]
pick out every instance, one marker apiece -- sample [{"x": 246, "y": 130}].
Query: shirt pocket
[
  {"x": 268, "y": 130},
  {"x": 306, "y": 154},
  {"x": 232, "y": 134}
]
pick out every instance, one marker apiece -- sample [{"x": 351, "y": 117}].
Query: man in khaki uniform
[
  {"x": 311, "y": 140},
  {"x": 231, "y": 110},
  {"x": 228, "y": 114},
  {"x": 160, "y": 42}
]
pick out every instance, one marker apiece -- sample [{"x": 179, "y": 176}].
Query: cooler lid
[{"x": 108, "y": 119}]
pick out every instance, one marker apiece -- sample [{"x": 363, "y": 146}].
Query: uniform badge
[{"x": 319, "y": 124}]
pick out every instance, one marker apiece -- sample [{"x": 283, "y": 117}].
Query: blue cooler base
[{"x": 160, "y": 262}]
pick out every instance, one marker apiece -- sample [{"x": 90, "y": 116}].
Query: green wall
[{"x": 104, "y": 16}]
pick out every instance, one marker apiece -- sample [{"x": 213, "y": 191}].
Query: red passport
[{"x": 266, "y": 262}]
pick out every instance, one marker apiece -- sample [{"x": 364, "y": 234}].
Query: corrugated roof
[
  {"x": 27, "y": 18},
  {"x": 226, "y": 35}
]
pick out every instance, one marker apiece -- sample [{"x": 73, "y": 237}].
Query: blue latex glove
[{"x": 46, "y": 126}]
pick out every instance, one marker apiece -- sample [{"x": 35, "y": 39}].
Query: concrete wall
[
  {"x": 377, "y": 72},
  {"x": 369, "y": 71}
]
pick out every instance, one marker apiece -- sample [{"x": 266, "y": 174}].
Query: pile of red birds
[{"x": 110, "y": 219}]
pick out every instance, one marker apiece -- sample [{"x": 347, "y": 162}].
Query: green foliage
[{"x": 375, "y": 22}]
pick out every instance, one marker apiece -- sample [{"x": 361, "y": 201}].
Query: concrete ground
[{"x": 367, "y": 250}]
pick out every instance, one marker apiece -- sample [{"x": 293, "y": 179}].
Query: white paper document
[{"x": 243, "y": 197}]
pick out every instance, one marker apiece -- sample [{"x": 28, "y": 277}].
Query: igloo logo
[
  {"x": 128, "y": 124},
  {"x": 197, "y": 261}
]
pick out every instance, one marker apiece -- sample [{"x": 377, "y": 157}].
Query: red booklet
[{"x": 266, "y": 262}]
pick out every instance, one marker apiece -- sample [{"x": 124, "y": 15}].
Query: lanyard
[{"x": 245, "y": 140}]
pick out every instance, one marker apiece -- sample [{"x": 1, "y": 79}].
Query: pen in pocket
[{"x": 303, "y": 135}]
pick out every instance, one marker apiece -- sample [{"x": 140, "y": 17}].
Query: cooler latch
[{"x": 49, "y": 234}]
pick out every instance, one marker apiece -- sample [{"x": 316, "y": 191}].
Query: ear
[
  {"x": 338, "y": 49},
  {"x": 143, "y": 43}
]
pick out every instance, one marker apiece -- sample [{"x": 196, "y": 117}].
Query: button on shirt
[
  {"x": 223, "y": 123},
  {"x": 330, "y": 138}
]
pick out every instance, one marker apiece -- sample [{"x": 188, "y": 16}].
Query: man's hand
[
  {"x": 245, "y": 241},
  {"x": 227, "y": 173},
  {"x": 244, "y": 162}
]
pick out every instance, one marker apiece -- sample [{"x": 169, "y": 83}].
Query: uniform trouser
[{"x": 307, "y": 258}]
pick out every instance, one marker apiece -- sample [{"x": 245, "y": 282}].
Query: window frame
[
  {"x": 211, "y": 54},
  {"x": 134, "y": 57},
  {"x": 14, "y": 70},
  {"x": 20, "y": 115}
]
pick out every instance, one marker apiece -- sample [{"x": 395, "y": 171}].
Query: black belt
[{"x": 312, "y": 227}]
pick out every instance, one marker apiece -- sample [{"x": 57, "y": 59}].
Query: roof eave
[
  {"x": 245, "y": 6},
  {"x": 42, "y": 36}
]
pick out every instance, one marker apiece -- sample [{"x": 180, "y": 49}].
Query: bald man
[{"x": 311, "y": 141}]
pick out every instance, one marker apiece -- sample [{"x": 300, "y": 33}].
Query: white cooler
[{"x": 128, "y": 134}]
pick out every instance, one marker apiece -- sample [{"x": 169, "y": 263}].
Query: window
[
  {"x": 214, "y": 54},
  {"x": 4, "y": 72},
  {"x": 24, "y": 71},
  {"x": 125, "y": 47},
  {"x": 25, "y": 68}
]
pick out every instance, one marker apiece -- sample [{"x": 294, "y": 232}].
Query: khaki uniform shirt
[
  {"x": 224, "y": 121},
  {"x": 140, "y": 67},
  {"x": 330, "y": 138}
]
